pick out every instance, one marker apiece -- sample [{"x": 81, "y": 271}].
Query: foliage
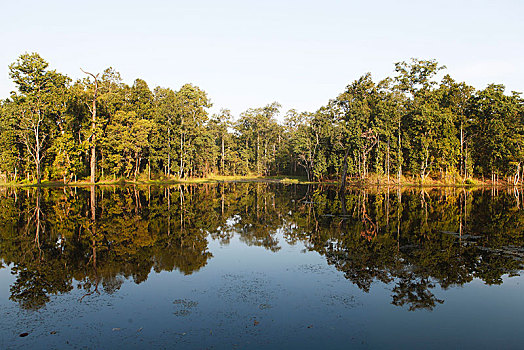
[{"x": 408, "y": 125}]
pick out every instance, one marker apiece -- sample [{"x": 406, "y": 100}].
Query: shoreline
[{"x": 351, "y": 183}]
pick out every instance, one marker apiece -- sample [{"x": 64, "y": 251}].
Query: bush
[{"x": 470, "y": 182}]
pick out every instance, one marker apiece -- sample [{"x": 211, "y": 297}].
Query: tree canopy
[{"x": 408, "y": 125}]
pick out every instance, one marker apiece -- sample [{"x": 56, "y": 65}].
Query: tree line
[{"x": 406, "y": 126}]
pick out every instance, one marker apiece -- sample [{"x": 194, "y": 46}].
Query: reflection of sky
[
  {"x": 255, "y": 298},
  {"x": 6, "y": 279}
]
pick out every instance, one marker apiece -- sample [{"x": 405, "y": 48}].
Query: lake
[{"x": 260, "y": 265}]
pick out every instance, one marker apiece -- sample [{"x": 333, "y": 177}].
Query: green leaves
[
  {"x": 499, "y": 130},
  {"x": 409, "y": 125}
]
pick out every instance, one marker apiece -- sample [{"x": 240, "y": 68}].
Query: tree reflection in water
[{"x": 413, "y": 240}]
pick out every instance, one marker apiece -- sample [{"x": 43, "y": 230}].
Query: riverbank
[
  {"x": 166, "y": 181},
  {"x": 371, "y": 181}
]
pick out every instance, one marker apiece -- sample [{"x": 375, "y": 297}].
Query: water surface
[{"x": 260, "y": 266}]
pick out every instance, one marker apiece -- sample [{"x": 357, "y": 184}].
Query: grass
[
  {"x": 371, "y": 181},
  {"x": 164, "y": 181}
]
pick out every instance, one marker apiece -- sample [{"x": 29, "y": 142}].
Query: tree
[
  {"x": 259, "y": 131},
  {"x": 125, "y": 142},
  {"x": 456, "y": 98},
  {"x": 191, "y": 104},
  {"x": 357, "y": 108},
  {"x": 39, "y": 90},
  {"x": 499, "y": 132},
  {"x": 11, "y": 153},
  {"x": 219, "y": 125},
  {"x": 416, "y": 81},
  {"x": 92, "y": 138},
  {"x": 304, "y": 139},
  {"x": 163, "y": 134}
]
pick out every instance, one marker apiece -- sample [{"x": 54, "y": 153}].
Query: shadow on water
[{"x": 415, "y": 240}]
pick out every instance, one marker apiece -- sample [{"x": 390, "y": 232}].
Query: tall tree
[
  {"x": 163, "y": 134},
  {"x": 357, "y": 108},
  {"x": 259, "y": 132},
  {"x": 416, "y": 80},
  {"x": 191, "y": 105},
  {"x": 38, "y": 91},
  {"x": 219, "y": 125},
  {"x": 499, "y": 132},
  {"x": 92, "y": 138}
]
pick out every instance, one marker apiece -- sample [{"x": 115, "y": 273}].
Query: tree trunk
[
  {"x": 180, "y": 171},
  {"x": 168, "y": 172},
  {"x": 38, "y": 148},
  {"x": 137, "y": 165},
  {"x": 222, "y": 159},
  {"x": 344, "y": 171},
  {"x": 258, "y": 154},
  {"x": 93, "y": 163},
  {"x": 399, "y": 154},
  {"x": 388, "y": 160},
  {"x": 517, "y": 175},
  {"x": 462, "y": 168},
  {"x": 38, "y": 174}
]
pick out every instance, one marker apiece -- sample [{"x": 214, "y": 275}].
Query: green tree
[
  {"x": 191, "y": 105},
  {"x": 498, "y": 132},
  {"x": 163, "y": 134},
  {"x": 259, "y": 133},
  {"x": 39, "y": 102}
]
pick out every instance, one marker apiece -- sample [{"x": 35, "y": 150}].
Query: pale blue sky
[{"x": 250, "y": 53}]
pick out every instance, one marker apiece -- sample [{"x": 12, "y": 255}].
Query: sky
[{"x": 248, "y": 54}]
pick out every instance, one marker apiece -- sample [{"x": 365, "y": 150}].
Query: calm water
[{"x": 243, "y": 266}]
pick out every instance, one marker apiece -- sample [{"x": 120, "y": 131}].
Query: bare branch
[{"x": 91, "y": 74}]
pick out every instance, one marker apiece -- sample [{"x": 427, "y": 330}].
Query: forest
[{"x": 405, "y": 128}]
